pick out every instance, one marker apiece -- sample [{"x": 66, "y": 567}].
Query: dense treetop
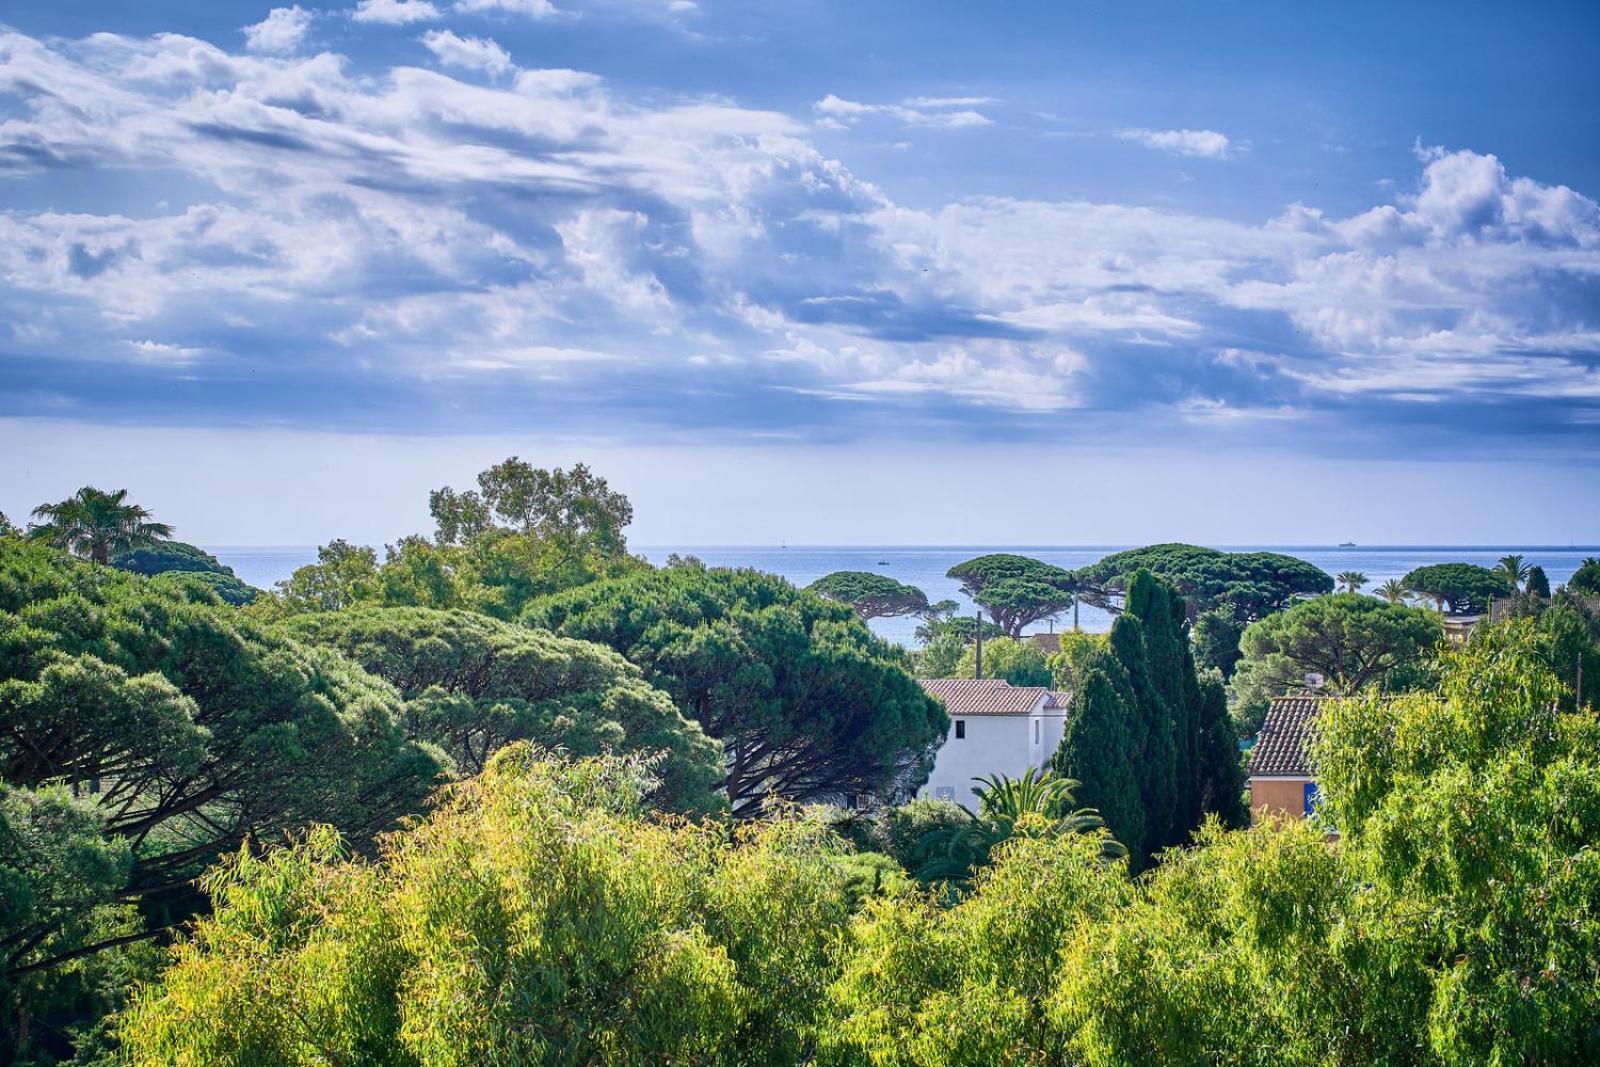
[
  {"x": 177, "y": 557},
  {"x": 1015, "y": 590},
  {"x": 1352, "y": 641},
  {"x": 874, "y": 596},
  {"x": 1462, "y": 588},
  {"x": 473, "y": 684},
  {"x": 180, "y": 728},
  {"x": 95, "y": 523},
  {"x": 1586, "y": 580},
  {"x": 807, "y": 702},
  {"x": 1249, "y": 584}
]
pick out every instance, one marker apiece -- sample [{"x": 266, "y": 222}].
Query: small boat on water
[
  {"x": 883, "y": 563},
  {"x": 1347, "y": 544}
]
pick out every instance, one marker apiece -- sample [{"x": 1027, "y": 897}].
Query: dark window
[{"x": 961, "y": 729}]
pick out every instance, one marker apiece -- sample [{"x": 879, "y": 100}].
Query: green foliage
[
  {"x": 7, "y": 528},
  {"x": 1471, "y": 819},
  {"x": 1017, "y": 662},
  {"x": 1250, "y": 584},
  {"x": 905, "y": 832},
  {"x": 1514, "y": 570},
  {"x": 807, "y": 702},
  {"x": 1586, "y": 580},
  {"x": 473, "y": 685},
  {"x": 94, "y": 523},
  {"x": 201, "y": 568},
  {"x": 1015, "y": 590},
  {"x": 537, "y": 917},
  {"x": 874, "y": 596},
  {"x": 1568, "y": 636},
  {"x": 939, "y": 658},
  {"x": 185, "y": 727},
  {"x": 940, "y": 620},
  {"x": 1353, "y": 641},
  {"x": 575, "y": 510},
  {"x": 1216, "y": 640},
  {"x": 1537, "y": 583},
  {"x": 1463, "y": 588},
  {"x": 925, "y": 985},
  {"x": 1039, "y": 804},
  {"x": 1395, "y": 591},
  {"x": 1350, "y": 581},
  {"x": 1077, "y": 653},
  {"x": 1149, "y": 743}
]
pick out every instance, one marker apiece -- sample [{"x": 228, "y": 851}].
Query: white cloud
[
  {"x": 470, "y": 53},
  {"x": 395, "y": 12},
  {"x": 942, "y": 113},
  {"x": 1200, "y": 144},
  {"x": 418, "y": 227},
  {"x": 281, "y": 31},
  {"x": 535, "y": 9}
]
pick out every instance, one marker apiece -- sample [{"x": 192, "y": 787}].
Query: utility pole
[{"x": 978, "y": 671}]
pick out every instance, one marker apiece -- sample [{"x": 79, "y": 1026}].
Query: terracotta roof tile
[
  {"x": 1280, "y": 747},
  {"x": 987, "y": 696}
]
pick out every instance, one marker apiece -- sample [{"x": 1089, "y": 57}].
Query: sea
[{"x": 924, "y": 566}]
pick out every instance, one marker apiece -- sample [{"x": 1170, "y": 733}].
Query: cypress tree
[
  {"x": 1150, "y": 731},
  {"x": 1160, "y": 611},
  {"x": 1097, "y": 750},
  {"x": 1221, "y": 771}
]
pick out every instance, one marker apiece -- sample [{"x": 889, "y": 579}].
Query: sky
[{"x": 823, "y": 272}]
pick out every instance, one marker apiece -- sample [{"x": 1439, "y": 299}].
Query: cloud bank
[{"x": 294, "y": 241}]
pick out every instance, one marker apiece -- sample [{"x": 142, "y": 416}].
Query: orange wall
[{"x": 1277, "y": 797}]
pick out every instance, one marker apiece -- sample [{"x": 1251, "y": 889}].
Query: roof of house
[
  {"x": 990, "y": 696},
  {"x": 1280, "y": 748}
]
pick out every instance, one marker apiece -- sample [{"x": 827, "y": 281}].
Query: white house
[{"x": 995, "y": 728}]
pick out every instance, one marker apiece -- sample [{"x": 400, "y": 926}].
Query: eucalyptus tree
[{"x": 94, "y": 523}]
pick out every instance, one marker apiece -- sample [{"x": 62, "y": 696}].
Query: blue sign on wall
[{"x": 1311, "y": 796}]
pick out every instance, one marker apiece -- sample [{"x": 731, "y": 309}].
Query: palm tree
[
  {"x": 94, "y": 523},
  {"x": 1393, "y": 591},
  {"x": 1039, "y": 804},
  {"x": 1351, "y": 581},
  {"x": 1513, "y": 570}
]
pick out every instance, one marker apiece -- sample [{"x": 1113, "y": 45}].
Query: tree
[
  {"x": 1352, "y": 641},
  {"x": 1038, "y": 804},
  {"x": 807, "y": 702},
  {"x": 1537, "y": 583},
  {"x": 1513, "y": 570},
  {"x": 1586, "y": 580},
  {"x": 1220, "y": 769},
  {"x": 1216, "y": 636},
  {"x": 1394, "y": 591},
  {"x": 1463, "y": 588},
  {"x": 7, "y": 529},
  {"x": 537, "y": 916},
  {"x": 873, "y": 596},
  {"x": 94, "y": 523},
  {"x": 1350, "y": 581},
  {"x": 1072, "y": 662},
  {"x": 176, "y": 557},
  {"x": 344, "y": 576},
  {"x": 1017, "y": 662},
  {"x": 1470, "y": 816},
  {"x": 574, "y": 509},
  {"x": 186, "y": 729},
  {"x": 1099, "y": 751},
  {"x": 1251, "y": 584},
  {"x": 1016, "y": 591},
  {"x": 473, "y": 685}
]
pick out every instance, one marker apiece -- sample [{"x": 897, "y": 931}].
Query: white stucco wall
[{"x": 994, "y": 744}]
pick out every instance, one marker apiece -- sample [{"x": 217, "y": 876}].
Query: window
[{"x": 961, "y": 729}]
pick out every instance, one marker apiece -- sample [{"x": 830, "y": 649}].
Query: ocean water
[{"x": 925, "y": 566}]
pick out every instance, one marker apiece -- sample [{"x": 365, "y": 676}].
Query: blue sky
[{"x": 833, "y": 247}]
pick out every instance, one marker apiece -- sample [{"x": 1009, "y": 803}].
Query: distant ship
[
  {"x": 883, "y": 563},
  {"x": 1347, "y": 544}
]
